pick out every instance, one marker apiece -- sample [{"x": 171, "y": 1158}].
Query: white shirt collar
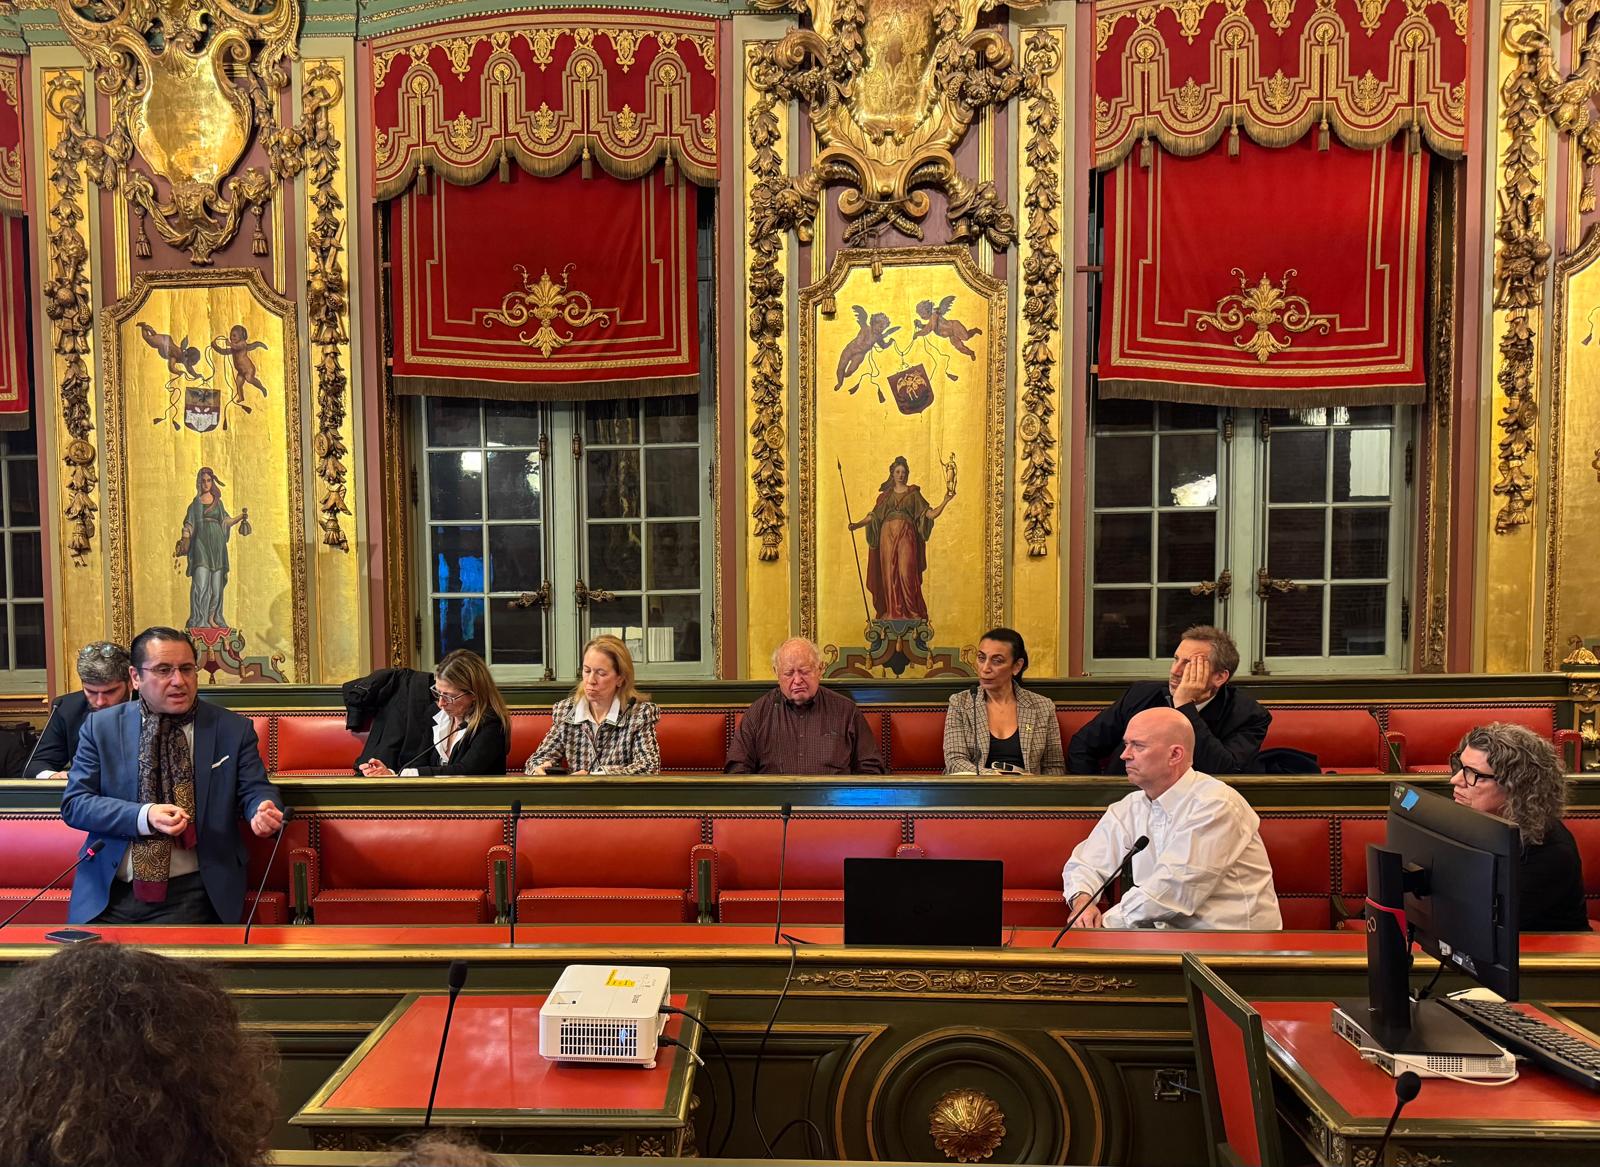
[
  {"x": 1172, "y": 796},
  {"x": 580, "y": 711},
  {"x": 443, "y": 739}
]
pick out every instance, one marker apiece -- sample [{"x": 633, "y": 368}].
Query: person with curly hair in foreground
[
  {"x": 110, "y": 1055},
  {"x": 1510, "y": 771}
]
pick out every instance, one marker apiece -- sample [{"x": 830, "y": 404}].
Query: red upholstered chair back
[
  {"x": 1072, "y": 720},
  {"x": 407, "y": 851},
  {"x": 1301, "y": 852},
  {"x": 316, "y": 743},
  {"x": 296, "y": 833},
  {"x": 747, "y": 848},
  {"x": 693, "y": 741},
  {"x": 916, "y": 741},
  {"x": 1349, "y": 741},
  {"x": 613, "y": 851},
  {"x": 36, "y": 849},
  {"x": 1586, "y": 832},
  {"x": 527, "y": 731},
  {"x": 1432, "y": 734},
  {"x": 1033, "y": 850},
  {"x": 1354, "y": 835},
  {"x": 1235, "y": 1075}
]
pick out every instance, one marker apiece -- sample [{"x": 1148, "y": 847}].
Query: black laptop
[{"x": 923, "y": 902}]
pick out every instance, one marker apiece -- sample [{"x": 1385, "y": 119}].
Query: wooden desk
[
  {"x": 1338, "y": 1104},
  {"x": 495, "y": 1080}
]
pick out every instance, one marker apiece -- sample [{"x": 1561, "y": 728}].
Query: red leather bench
[
  {"x": 1424, "y": 738},
  {"x": 403, "y": 869},
  {"x": 1345, "y": 741},
  {"x": 35, "y": 850},
  {"x": 744, "y": 852},
  {"x": 611, "y": 868},
  {"x": 314, "y": 743},
  {"x": 1033, "y": 848},
  {"x": 1300, "y": 848}
]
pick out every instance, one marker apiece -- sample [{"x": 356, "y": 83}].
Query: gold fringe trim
[
  {"x": 673, "y": 386},
  {"x": 544, "y": 166},
  {"x": 1190, "y": 394},
  {"x": 15, "y": 421},
  {"x": 1278, "y": 136}
]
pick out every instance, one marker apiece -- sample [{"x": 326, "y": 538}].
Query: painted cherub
[
  {"x": 933, "y": 320},
  {"x": 181, "y": 357},
  {"x": 875, "y": 332},
  {"x": 238, "y": 345}
]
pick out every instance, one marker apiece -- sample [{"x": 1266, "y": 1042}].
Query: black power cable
[
  {"x": 711, "y": 1079},
  {"x": 727, "y": 1068}
]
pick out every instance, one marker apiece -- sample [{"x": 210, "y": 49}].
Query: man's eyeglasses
[
  {"x": 446, "y": 698},
  {"x": 1473, "y": 776},
  {"x": 166, "y": 672}
]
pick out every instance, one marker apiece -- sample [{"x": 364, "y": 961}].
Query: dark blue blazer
[
  {"x": 102, "y": 799},
  {"x": 60, "y": 737}
]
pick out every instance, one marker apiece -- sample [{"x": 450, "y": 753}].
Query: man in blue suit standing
[{"x": 164, "y": 780}]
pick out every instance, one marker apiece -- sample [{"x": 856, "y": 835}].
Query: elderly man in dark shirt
[{"x": 802, "y": 728}]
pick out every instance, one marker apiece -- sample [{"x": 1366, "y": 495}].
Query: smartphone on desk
[{"x": 71, "y": 936}]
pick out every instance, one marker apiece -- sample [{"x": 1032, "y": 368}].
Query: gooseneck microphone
[
  {"x": 250, "y": 920},
  {"x": 458, "y": 977},
  {"x": 430, "y": 747},
  {"x": 1406, "y": 1087},
  {"x": 27, "y": 767},
  {"x": 783, "y": 853},
  {"x": 516, "y": 818},
  {"x": 1139, "y": 844},
  {"x": 89, "y": 852}
]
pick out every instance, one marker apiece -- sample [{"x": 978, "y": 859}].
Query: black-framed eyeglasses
[
  {"x": 165, "y": 672},
  {"x": 1473, "y": 776},
  {"x": 446, "y": 698}
]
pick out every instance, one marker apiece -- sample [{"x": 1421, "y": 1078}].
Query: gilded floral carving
[
  {"x": 967, "y": 1125},
  {"x": 1041, "y": 278}
]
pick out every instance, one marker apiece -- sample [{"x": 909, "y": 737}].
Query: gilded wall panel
[{"x": 1572, "y": 600}]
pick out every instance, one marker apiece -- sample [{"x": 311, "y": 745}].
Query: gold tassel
[
  {"x": 422, "y": 179},
  {"x": 1146, "y": 154},
  {"x": 587, "y": 166},
  {"x": 1324, "y": 141},
  {"x": 672, "y": 170},
  {"x": 505, "y": 163},
  {"x": 1414, "y": 139},
  {"x": 141, "y": 245},
  {"x": 258, "y": 242},
  {"x": 1233, "y": 140}
]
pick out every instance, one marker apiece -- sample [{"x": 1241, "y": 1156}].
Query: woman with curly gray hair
[{"x": 1510, "y": 771}]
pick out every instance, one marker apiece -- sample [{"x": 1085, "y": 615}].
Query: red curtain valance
[
  {"x": 12, "y": 198},
  {"x": 1185, "y": 73},
  {"x": 546, "y": 288},
  {"x": 14, "y": 373},
  {"x": 543, "y": 89},
  {"x": 1277, "y": 278}
]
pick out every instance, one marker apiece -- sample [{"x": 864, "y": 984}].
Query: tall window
[{"x": 22, "y": 645}]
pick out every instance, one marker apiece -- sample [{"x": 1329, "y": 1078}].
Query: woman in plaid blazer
[
  {"x": 605, "y": 726},
  {"x": 1000, "y": 726}
]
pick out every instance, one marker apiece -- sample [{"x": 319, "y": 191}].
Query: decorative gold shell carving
[
  {"x": 965, "y": 980},
  {"x": 1041, "y": 280},
  {"x": 967, "y": 1125}
]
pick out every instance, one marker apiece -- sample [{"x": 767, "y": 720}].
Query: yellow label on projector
[{"x": 615, "y": 982}]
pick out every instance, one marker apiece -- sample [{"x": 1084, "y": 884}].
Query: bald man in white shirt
[{"x": 1205, "y": 866}]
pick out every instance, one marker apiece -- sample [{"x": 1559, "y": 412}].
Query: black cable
[
  {"x": 727, "y": 1068},
  {"x": 711, "y": 1079},
  {"x": 810, "y": 1127},
  {"x": 755, "y": 1075},
  {"x": 1428, "y": 991}
]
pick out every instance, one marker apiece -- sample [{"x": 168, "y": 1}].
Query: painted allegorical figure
[
  {"x": 898, "y": 528},
  {"x": 207, "y": 527}
]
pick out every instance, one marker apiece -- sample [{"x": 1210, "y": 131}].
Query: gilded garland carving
[
  {"x": 68, "y": 306},
  {"x": 890, "y": 980},
  {"x": 1041, "y": 279},
  {"x": 967, "y": 1125}
]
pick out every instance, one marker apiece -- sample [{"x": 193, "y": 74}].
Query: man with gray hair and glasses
[
  {"x": 800, "y": 727},
  {"x": 103, "y": 673}
]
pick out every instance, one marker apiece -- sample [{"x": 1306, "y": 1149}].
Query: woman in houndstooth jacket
[
  {"x": 1000, "y": 727},
  {"x": 605, "y": 726}
]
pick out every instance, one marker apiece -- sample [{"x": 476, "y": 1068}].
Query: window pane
[
  {"x": 1187, "y": 417},
  {"x": 515, "y": 560},
  {"x": 1294, "y": 543},
  {"x": 1186, "y": 546},
  {"x": 674, "y": 632},
  {"x": 455, "y": 485},
  {"x": 513, "y": 484},
  {"x": 620, "y": 618},
  {"x": 671, "y": 419},
  {"x": 674, "y": 555},
  {"x": 452, "y": 421},
  {"x": 1189, "y": 471},
  {"x": 20, "y": 441},
  {"x": 672, "y": 482},
  {"x": 1298, "y": 466},
  {"x": 24, "y": 476},
  {"x": 1360, "y": 464},
  {"x": 511, "y": 423},
  {"x": 1122, "y": 623},
  {"x": 457, "y": 558},
  {"x": 1360, "y": 542},
  {"x": 1357, "y": 619},
  {"x": 27, "y": 567},
  {"x": 1177, "y": 611},
  {"x": 518, "y": 634},
  {"x": 613, "y": 484},
  {"x": 30, "y": 635},
  {"x": 1122, "y": 472},
  {"x": 613, "y": 423},
  {"x": 1294, "y": 623},
  {"x": 1122, "y": 548},
  {"x": 457, "y": 624},
  {"x": 614, "y": 558},
  {"x": 1110, "y": 413}
]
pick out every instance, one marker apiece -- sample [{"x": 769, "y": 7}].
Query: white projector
[{"x": 605, "y": 1014}]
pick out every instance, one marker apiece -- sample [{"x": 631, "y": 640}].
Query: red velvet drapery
[{"x": 14, "y": 373}]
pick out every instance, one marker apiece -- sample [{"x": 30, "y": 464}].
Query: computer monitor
[
  {"x": 1445, "y": 879},
  {"x": 924, "y": 902}
]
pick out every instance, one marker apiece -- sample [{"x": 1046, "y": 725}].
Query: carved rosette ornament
[{"x": 967, "y": 1125}]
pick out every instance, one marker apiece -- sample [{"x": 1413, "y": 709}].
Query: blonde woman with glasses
[
  {"x": 605, "y": 725},
  {"x": 472, "y": 727}
]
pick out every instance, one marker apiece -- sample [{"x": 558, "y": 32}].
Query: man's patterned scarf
[{"x": 166, "y": 776}]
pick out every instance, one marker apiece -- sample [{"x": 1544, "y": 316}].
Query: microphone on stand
[
  {"x": 1394, "y": 751},
  {"x": 516, "y": 816},
  {"x": 1139, "y": 844},
  {"x": 458, "y": 977},
  {"x": 27, "y": 767},
  {"x": 249, "y": 921},
  {"x": 89, "y": 852},
  {"x": 429, "y": 748},
  {"x": 1406, "y": 1087},
  {"x": 783, "y": 852}
]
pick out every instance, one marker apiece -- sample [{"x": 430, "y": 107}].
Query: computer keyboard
[{"x": 1544, "y": 1044}]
